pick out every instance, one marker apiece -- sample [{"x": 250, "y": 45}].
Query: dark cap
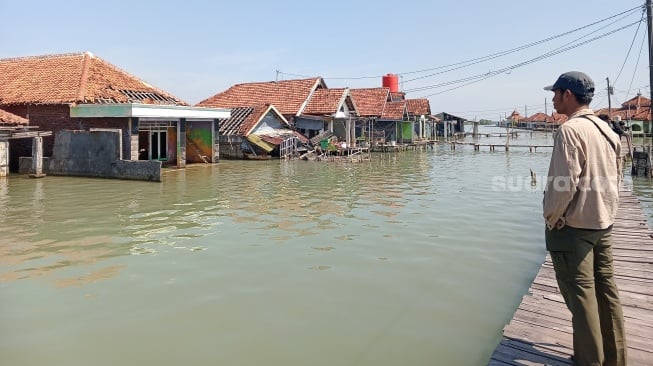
[{"x": 576, "y": 81}]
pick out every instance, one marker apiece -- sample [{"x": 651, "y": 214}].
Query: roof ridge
[
  {"x": 86, "y": 60},
  {"x": 45, "y": 57}
]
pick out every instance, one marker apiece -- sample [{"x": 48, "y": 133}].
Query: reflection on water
[{"x": 273, "y": 262}]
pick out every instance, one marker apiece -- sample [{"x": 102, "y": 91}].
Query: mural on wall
[{"x": 199, "y": 141}]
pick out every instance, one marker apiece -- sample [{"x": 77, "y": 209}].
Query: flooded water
[{"x": 415, "y": 258}]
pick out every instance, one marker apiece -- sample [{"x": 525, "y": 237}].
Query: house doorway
[{"x": 158, "y": 146}]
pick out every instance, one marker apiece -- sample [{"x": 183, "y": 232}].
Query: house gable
[
  {"x": 255, "y": 119},
  {"x": 418, "y": 107},
  {"x": 331, "y": 102},
  {"x": 370, "y": 101}
]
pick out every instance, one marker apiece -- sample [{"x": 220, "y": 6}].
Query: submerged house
[
  {"x": 80, "y": 91},
  {"x": 636, "y": 111},
  {"x": 449, "y": 124},
  {"x": 332, "y": 111},
  {"x": 308, "y": 105},
  {"x": 378, "y": 125},
  {"x": 289, "y": 97},
  {"x": 11, "y": 127},
  {"x": 257, "y": 132},
  {"x": 419, "y": 111}
]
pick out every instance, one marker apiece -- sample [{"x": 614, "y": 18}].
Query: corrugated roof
[
  {"x": 243, "y": 119},
  {"x": 10, "y": 119},
  {"x": 73, "y": 78},
  {"x": 288, "y": 96}
]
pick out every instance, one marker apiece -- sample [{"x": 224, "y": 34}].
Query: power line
[
  {"x": 480, "y": 77},
  {"x": 629, "y": 49},
  {"x": 534, "y": 43},
  {"x": 478, "y": 59}
]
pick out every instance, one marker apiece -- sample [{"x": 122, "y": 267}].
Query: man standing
[{"x": 580, "y": 205}]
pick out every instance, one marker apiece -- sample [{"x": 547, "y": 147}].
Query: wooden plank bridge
[{"x": 540, "y": 332}]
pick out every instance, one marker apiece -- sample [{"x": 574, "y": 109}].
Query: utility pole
[
  {"x": 545, "y": 110},
  {"x": 609, "y": 102},
  {"x": 649, "y": 21}
]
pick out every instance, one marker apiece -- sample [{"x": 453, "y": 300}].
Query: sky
[{"x": 455, "y": 53}]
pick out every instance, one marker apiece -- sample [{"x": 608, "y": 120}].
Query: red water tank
[{"x": 391, "y": 81}]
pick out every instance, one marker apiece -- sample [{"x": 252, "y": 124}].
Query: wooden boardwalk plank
[{"x": 540, "y": 331}]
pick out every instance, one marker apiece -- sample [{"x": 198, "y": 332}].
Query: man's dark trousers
[{"x": 582, "y": 259}]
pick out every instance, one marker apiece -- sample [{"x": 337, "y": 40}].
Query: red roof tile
[
  {"x": 325, "y": 101},
  {"x": 370, "y": 101},
  {"x": 394, "y": 110},
  {"x": 73, "y": 78},
  {"x": 288, "y": 96},
  {"x": 418, "y": 107},
  {"x": 636, "y": 101},
  {"x": 539, "y": 117},
  {"x": 11, "y": 119}
]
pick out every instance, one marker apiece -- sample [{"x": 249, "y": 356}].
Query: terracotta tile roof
[
  {"x": 288, "y": 96},
  {"x": 636, "y": 101},
  {"x": 243, "y": 119},
  {"x": 629, "y": 111},
  {"x": 515, "y": 116},
  {"x": 643, "y": 114},
  {"x": 73, "y": 78},
  {"x": 325, "y": 101},
  {"x": 11, "y": 119},
  {"x": 418, "y": 107},
  {"x": 539, "y": 117},
  {"x": 370, "y": 101},
  {"x": 394, "y": 111}
]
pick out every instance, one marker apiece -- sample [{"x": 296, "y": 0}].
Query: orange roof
[
  {"x": 539, "y": 117},
  {"x": 7, "y": 118},
  {"x": 288, "y": 96},
  {"x": 418, "y": 106},
  {"x": 73, "y": 78},
  {"x": 394, "y": 110},
  {"x": 643, "y": 114},
  {"x": 325, "y": 101},
  {"x": 636, "y": 101},
  {"x": 370, "y": 101}
]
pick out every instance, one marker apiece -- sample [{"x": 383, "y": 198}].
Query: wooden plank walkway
[{"x": 540, "y": 331}]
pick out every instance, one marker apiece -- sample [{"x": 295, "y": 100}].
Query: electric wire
[
  {"x": 479, "y": 59},
  {"x": 479, "y": 77}
]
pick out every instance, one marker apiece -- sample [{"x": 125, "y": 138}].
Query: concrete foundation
[{"x": 93, "y": 154}]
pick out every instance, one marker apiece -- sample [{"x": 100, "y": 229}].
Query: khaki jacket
[{"x": 582, "y": 188}]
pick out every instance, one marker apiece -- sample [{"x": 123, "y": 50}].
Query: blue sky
[{"x": 195, "y": 49}]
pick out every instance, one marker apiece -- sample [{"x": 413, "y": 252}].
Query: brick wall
[{"x": 55, "y": 118}]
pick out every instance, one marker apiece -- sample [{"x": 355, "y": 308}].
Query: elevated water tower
[{"x": 391, "y": 81}]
